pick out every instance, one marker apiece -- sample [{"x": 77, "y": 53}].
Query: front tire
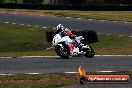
[
  {"x": 89, "y": 52},
  {"x": 63, "y": 51}
]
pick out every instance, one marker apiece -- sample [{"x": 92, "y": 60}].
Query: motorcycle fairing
[
  {"x": 56, "y": 39},
  {"x": 66, "y": 39}
]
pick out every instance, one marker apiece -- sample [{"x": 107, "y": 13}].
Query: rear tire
[
  {"x": 63, "y": 51},
  {"x": 89, "y": 52}
]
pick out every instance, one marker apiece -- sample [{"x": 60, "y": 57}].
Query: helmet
[{"x": 59, "y": 28}]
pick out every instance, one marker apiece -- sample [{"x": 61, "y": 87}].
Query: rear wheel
[
  {"x": 89, "y": 52},
  {"x": 62, "y": 50}
]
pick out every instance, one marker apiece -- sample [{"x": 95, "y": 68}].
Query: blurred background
[{"x": 68, "y": 4}]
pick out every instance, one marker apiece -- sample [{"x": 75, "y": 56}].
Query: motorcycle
[{"x": 66, "y": 47}]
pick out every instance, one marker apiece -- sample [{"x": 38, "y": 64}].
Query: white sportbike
[{"x": 65, "y": 47}]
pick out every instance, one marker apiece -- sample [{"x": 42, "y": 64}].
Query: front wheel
[
  {"x": 89, "y": 52},
  {"x": 62, "y": 50}
]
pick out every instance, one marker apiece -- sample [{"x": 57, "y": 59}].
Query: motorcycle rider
[
  {"x": 66, "y": 32},
  {"x": 61, "y": 30}
]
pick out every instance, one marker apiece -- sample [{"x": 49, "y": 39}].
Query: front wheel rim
[{"x": 63, "y": 50}]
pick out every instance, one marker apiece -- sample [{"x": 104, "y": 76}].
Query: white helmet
[{"x": 59, "y": 28}]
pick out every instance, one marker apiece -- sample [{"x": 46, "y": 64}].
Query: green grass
[
  {"x": 13, "y": 1},
  {"x": 21, "y": 38},
  {"x": 113, "y": 45},
  {"x": 17, "y": 40},
  {"x": 99, "y": 15},
  {"x": 47, "y": 80}
]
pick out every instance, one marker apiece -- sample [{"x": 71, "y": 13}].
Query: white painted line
[
  {"x": 68, "y": 17},
  {"x": 54, "y": 28},
  {"x": 130, "y": 36},
  {"x": 7, "y": 22},
  {"x": 33, "y": 73},
  {"x": 41, "y": 15},
  {"x": 13, "y": 23},
  {"x": 5, "y": 74},
  {"x": 71, "y": 72},
  {"x": 90, "y": 19},
  {"x": 15, "y": 13},
  {"x": 22, "y": 24},
  {"x": 115, "y": 21},
  {"x": 36, "y": 26},
  {"x": 98, "y": 55},
  {"x": 2, "y": 12},
  {"x": 125, "y": 22},
  {"x": 37, "y": 56},
  {"x": 58, "y": 56},
  {"x": 24, "y": 73},
  {"x": 123, "y": 55},
  {"x": 30, "y": 14},
  {"x": 95, "y": 71},
  {"x": 101, "y": 20},
  {"x": 44, "y": 27},
  {"x": 106, "y": 71},
  {"x": 5, "y": 57},
  {"x": 112, "y": 55},
  {"x": 28, "y": 25},
  {"x": 79, "y": 18},
  {"x": 95, "y": 55}
]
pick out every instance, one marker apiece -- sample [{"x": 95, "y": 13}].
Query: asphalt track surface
[
  {"x": 111, "y": 27},
  {"x": 44, "y": 65},
  {"x": 55, "y": 64}
]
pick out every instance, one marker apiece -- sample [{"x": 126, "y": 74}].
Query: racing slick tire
[
  {"x": 62, "y": 50},
  {"x": 89, "y": 52}
]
